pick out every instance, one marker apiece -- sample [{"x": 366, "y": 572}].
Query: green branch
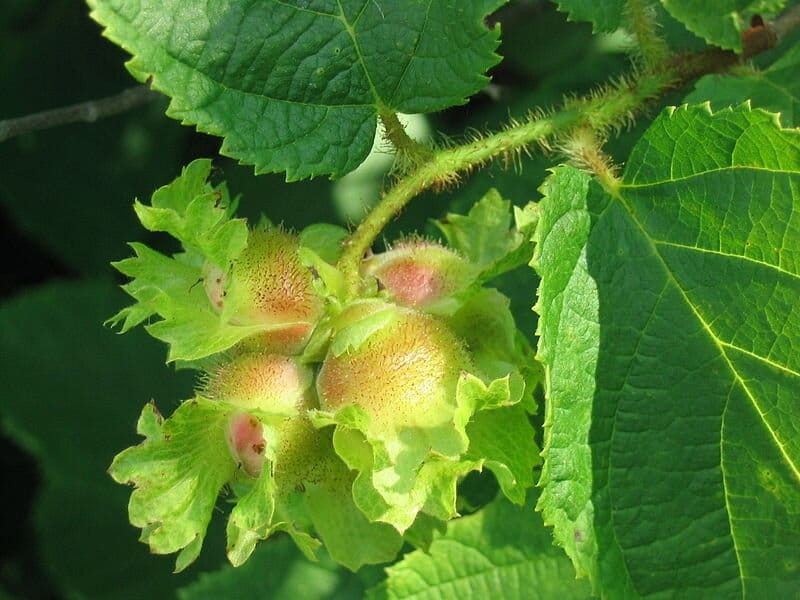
[
  {"x": 86, "y": 112},
  {"x": 408, "y": 149},
  {"x": 599, "y": 111},
  {"x": 609, "y": 108},
  {"x": 640, "y": 18}
]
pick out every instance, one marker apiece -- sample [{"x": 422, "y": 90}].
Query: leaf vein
[
  {"x": 351, "y": 32},
  {"x": 413, "y": 52},
  {"x": 726, "y": 254},
  {"x": 703, "y": 173},
  {"x": 717, "y": 341}
]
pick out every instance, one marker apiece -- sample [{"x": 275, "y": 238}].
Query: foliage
[{"x": 351, "y": 402}]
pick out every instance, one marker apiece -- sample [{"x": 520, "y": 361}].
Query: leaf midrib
[
  {"x": 719, "y": 343},
  {"x": 350, "y": 30},
  {"x": 658, "y": 242}
]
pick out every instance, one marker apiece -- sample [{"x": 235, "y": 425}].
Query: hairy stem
[
  {"x": 641, "y": 20},
  {"x": 609, "y": 108},
  {"x": 584, "y": 149},
  {"x": 409, "y": 149},
  {"x": 87, "y": 112}
]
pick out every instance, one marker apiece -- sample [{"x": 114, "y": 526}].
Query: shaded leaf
[
  {"x": 776, "y": 89},
  {"x": 339, "y": 522},
  {"x": 486, "y": 236},
  {"x": 605, "y": 15},
  {"x": 504, "y": 438},
  {"x": 720, "y": 22},
  {"x": 668, "y": 327},
  {"x": 278, "y": 571},
  {"x": 78, "y": 207},
  {"x": 79, "y": 389}
]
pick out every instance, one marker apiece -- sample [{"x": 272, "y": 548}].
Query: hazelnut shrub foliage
[{"x": 352, "y": 396}]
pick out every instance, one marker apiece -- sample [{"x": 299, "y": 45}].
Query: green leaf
[
  {"x": 605, "y": 15},
  {"x": 77, "y": 389},
  {"x": 720, "y": 22},
  {"x": 325, "y": 240},
  {"x": 178, "y": 472},
  {"x": 502, "y": 549},
  {"x": 485, "y": 323},
  {"x": 668, "y": 327},
  {"x": 776, "y": 89},
  {"x": 338, "y": 521},
  {"x": 197, "y": 215},
  {"x": 486, "y": 237},
  {"x": 298, "y": 87},
  {"x": 407, "y": 470},
  {"x": 504, "y": 439},
  {"x": 276, "y": 571}
]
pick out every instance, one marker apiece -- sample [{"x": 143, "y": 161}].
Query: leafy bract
[
  {"x": 338, "y": 521},
  {"x": 254, "y": 519},
  {"x": 325, "y": 240},
  {"x": 298, "y": 86},
  {"x": 776, "y": 89},
  {"x": 485, "y": 323},
  {"x": 199, "y": 216},
  {"x": 486, "y": 236},
  {"x": 605, "y": 15},
  {"x": 504, "y": 439},
  {"x": 178, "y": 472},
  {"x": 502, "y": 549},
  {"x": 409, "y": 469},
  {"x": 180, "y": 469},
  {"x": 668, "y": 328},
  {"x": 720, "y": 22}
]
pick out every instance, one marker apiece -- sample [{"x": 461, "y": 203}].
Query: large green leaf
[
  {"x": 776, "y": 89},
  {"x": 72, "y": 393},
  {"x": 720, "y": 22},
  {"x": 503, "y": 551},
  {"x": 669, "y": 327},
  {"x": 297, "y": 86}
]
